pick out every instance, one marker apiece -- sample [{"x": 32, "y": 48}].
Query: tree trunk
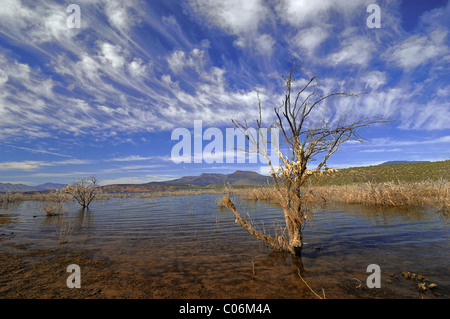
[
  {"x": 295, "y": 234},
  {"x": 296, "y": 242}
]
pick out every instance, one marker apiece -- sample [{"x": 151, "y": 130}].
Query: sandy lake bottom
[{"x": 189, "y": 247}]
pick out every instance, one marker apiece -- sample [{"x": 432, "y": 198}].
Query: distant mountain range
[
  {"x": 7, "y": 187},
  {"x": 243, "y": 178},
  {"x": 236, "y": 178},
  {"x": 403, "y": 162}
]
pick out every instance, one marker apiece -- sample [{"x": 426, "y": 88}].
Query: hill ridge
[{"x": 239, "y": 177}]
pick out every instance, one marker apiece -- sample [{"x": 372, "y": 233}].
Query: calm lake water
[{"x": 191, "y": 244}]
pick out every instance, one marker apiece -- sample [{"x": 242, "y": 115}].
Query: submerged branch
[{"x": 279, "y": 243}]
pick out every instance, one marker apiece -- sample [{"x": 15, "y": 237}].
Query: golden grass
[
  {"x": 264, "y": 193},
  {"x": 432, "y": 193}
]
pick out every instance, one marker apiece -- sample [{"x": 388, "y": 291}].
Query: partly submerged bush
[
  {"x": 9, "y": 199},
  {"x": 54, "y": 203}
]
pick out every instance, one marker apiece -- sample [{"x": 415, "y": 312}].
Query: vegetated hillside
[
  {"x": 403, "y": 162},
  {"x": 238, "y": 178},
  {"x": 385, "y": 173}
]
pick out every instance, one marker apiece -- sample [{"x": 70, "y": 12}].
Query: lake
[{"x": 189, "y": 247}]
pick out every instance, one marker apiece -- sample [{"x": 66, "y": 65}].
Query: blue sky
[{"x": 104, "y": 99}]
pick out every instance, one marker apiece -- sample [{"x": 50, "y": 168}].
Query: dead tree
[
  {"x": 84, "y": 190},
  {"x": 305, "y": 138}
]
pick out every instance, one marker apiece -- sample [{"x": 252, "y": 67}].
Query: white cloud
[
  {"x": 310, "y": 39},
  {"x": 233, "y": 16},
  {"x": 381, "y": 150},
  {"x": 112, "y": 54},
  {"x": 399, "y": 103},
  {"x": 42, "y": 23},
  {"x": 119, "y": 15},
  {"x": 34, "y": 165},
  {"x": 65, "y": 174},
  {"x": 130, "y": 168},
  {"x": 3, "y": 77},
  {"x": 374, "y": 79},
  {"x": 443, "y": 91},
  {"x": 417, "y": 50},
  {"x": 414, "y": 107},
  {"x": 36, "y": 150},
  {"x": 16, "y": 74},
  {"x": 109, "y": 85},
  {"x": 133, "y": 158},
  {"x": 264, "y": 44},
  {"x": 177, "y": 61},
  {"x": 265, "y": 170},
  {"x": 354, "y": 50},
  {"x": 170, "y": 20},
  {"x": 299, "y": 13},
  {"x": 22, "y": 166},
  {"x": 24, "y": 99},
  {"x": 138, "y": 179},
  {"x": 137, "y": 68},
  {"x": 431, "y": 116},
  {"x": 125, "y": 180},
  {"x": 240, "y": 18},
  {"x": 71, "y": 162},
  {"x": 383, "y": 142}
]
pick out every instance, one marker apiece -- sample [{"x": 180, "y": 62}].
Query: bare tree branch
[{"x": 304, "y": 142}]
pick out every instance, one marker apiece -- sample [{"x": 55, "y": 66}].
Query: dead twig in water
[
  {"x": 318, "y": 296},
  {"x": 360, "y": 283}
]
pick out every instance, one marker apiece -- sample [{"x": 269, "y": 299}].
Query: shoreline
[{"x": 40, "y": 274}]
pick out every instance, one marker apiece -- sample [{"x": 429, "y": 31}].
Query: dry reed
[
  {"x": 9, "y": 199},
  {"x": 64, "y": 233},
  {"x": 434, "y": 194}
]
